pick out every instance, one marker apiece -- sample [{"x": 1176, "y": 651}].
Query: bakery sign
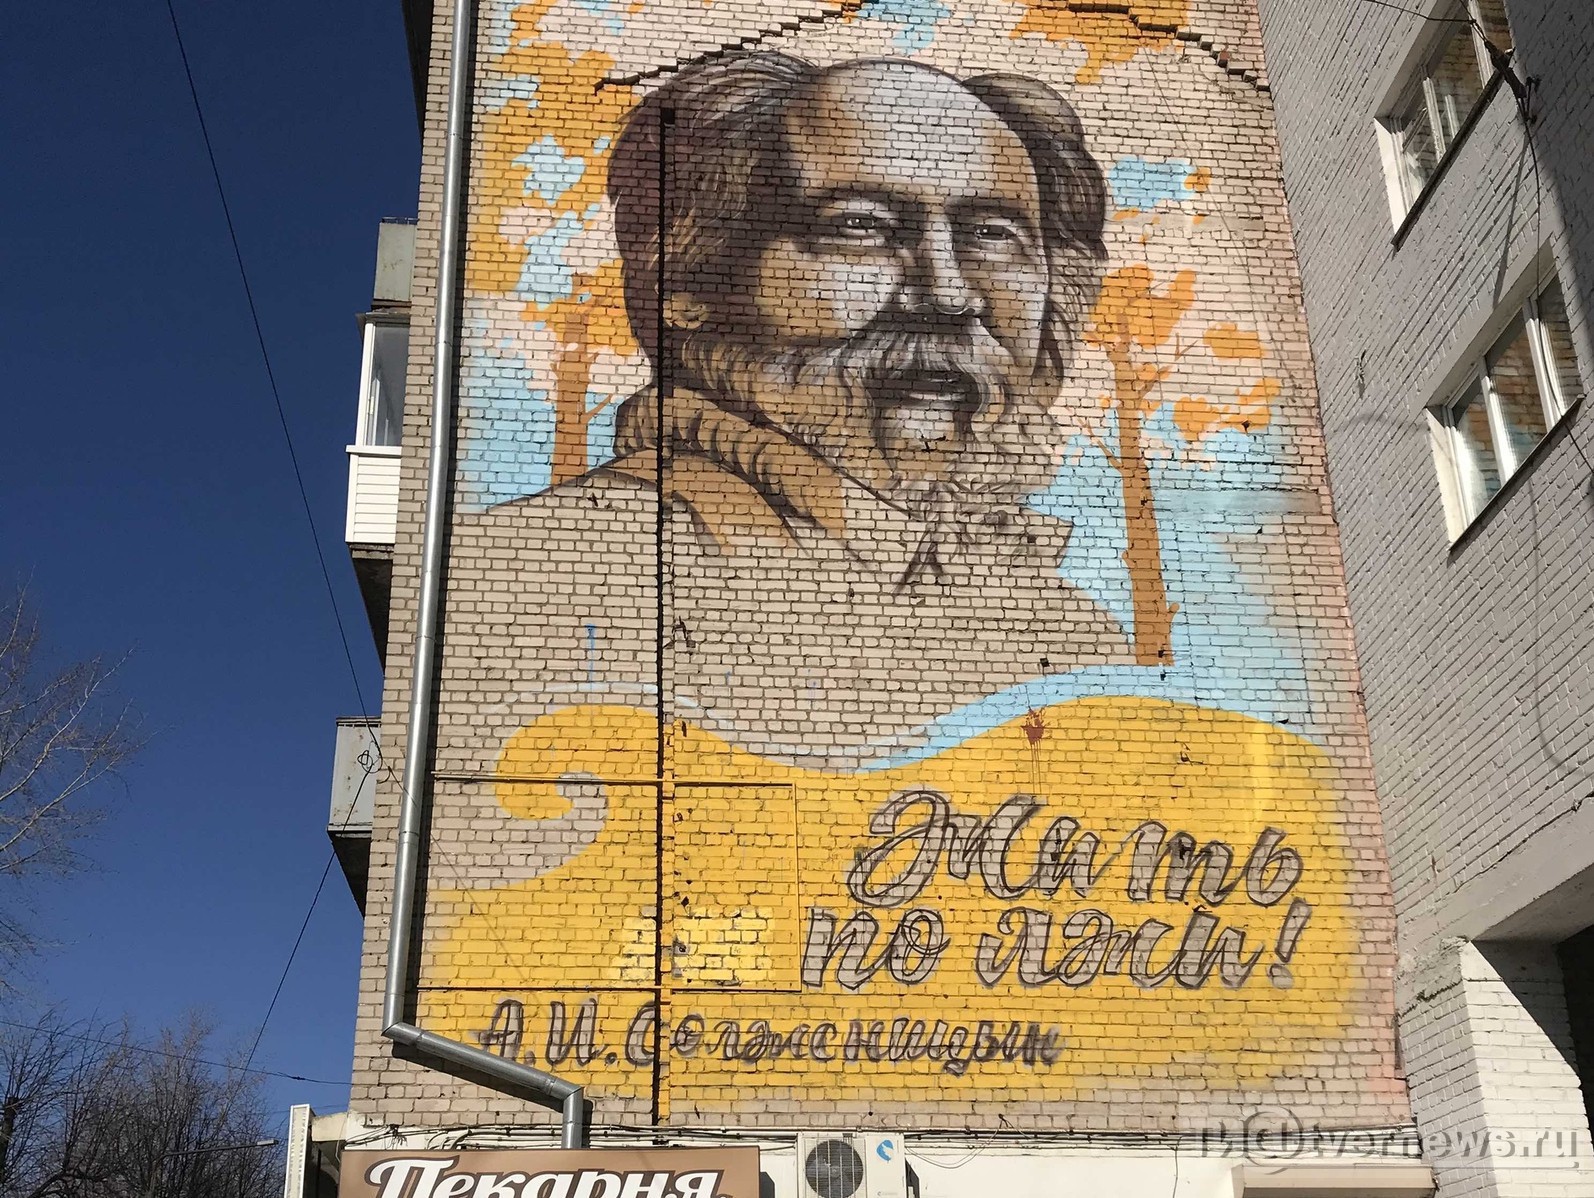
[{"x": 553, "y": 1173}]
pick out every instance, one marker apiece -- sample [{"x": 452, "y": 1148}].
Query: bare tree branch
[
  {"x": 62, "y": 737},
  {"x": 85, "y": 1114}
]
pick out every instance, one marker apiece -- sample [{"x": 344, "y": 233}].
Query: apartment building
[
  {"x": 868, "y": 671},
  {"x": 1438, "y": 163}
]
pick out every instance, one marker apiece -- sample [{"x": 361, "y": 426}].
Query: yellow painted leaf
[
  {"x": 1107, "y": 37},
  {"x": 1232, "y": 343}
]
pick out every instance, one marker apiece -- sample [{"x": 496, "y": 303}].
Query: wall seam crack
[{"x": 1206, "y": 42}]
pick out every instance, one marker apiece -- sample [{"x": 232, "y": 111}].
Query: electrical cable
[
  {"x": 450, "y": 1137},
  {"x": 435, "y": 848},
  {"x": 1498, "y": 57},
  {"x": 304, "y": 925},
  {"x": 1412, "y": 12},
  {"x": 315, "y": 536},
  {"x": 1524, "y": 109},
  {"x": 978, "y": 1149},
  {"x": 265, "y": 357},
  {"x": 662, "y": 577},
  {"x": 1151, "y": 73},
  {"x": 1263, "y": 325},
  {"x": 1523, "y": 91},
  {"x": 304, "y": 499},
  {"x": 282, "y": 979},
  {"x": 161, "y": 1052}
]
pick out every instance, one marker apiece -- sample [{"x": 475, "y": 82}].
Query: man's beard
[{"x": 935, "y": 417}]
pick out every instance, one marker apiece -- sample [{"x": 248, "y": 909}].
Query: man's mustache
[
  {"x": 844, "y": 396},
  {"x": 836, "y": 395},
  {"x": 896, "y": 357}
]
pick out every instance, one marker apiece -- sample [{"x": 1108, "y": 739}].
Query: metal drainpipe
[{"x": 567, "y": 1096}]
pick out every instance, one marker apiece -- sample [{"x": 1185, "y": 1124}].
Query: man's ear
[{"x": 683, "y": 310}]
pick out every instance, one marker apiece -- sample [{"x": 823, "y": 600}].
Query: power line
[
  {"x": 1412, "y": 12},
  {"x": 304, "y": 499},
  {"x": 294, "y": 951},
  {"x": 1524, "y": 109},
  {"x": 1499, "y": 58},
  {"x": 162, "y": 1052},
  {"x": 265, "y": 357},
  {"x": 304, "y": 925}
]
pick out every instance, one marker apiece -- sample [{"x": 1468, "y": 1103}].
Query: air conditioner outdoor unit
[{"x": 851, "y": 1165}]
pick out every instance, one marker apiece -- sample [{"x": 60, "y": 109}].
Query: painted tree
[
  {"x": 544, "y": 233},
  {"x": 1135, "y": 325},
  {"x": 573, "y": 411},
  {"x": 1132, "y": 319}
]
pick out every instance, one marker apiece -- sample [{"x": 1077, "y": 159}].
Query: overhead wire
[
  {"x": 332, "y": 856},
  {"x": 1524, "y": 110},
  {"x": 304, "y": 925},
  {"x": 1259, "y": 320},
  {"x": 304, "y": 499},
  {"x": 1523, "y": 91},
  {"x": 308, "y": 510},
  {"x": 977, "y": 1150},
  {"x": 282, "y": 978},
  {"x": 265, "y": 357},
  {"x": 1412, "y": 12},
  {"x": 454, "y": 1136},
  {"x": 163, "y": 1052},
  {"x": 381, "y": 760}
]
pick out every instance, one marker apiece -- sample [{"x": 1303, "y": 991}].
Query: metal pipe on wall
[{"x": 566, "y": 1096}]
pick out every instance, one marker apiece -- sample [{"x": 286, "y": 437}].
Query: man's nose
[{"x": 936, "y": 284}]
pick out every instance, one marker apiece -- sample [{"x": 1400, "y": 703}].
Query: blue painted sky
[
  {"x": 146, "y": 491},
  {"x": 1141, "y": 184}
]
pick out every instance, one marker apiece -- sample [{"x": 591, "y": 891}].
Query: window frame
[
  {"x": 1416, "y": 76},
  {"x": 1455, "y": 453},
  {"x": 366, "y": 418}
]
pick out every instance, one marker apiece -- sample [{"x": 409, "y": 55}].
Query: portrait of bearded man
[{"x": 874, "y": 278}]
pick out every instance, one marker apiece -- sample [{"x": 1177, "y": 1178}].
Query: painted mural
[{"x": 895, "y": 661}]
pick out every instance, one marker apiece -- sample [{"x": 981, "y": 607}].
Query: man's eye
[
  {"x": 990, "y": 230},
  {"x": 857, "y": 226}
]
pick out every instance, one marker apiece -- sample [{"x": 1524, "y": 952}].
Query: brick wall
[
  {"x": 1489, "y": 1054},
  {"x": 1477, "y": 698},
  {"x": 1012, "y": 770},
  {"x": 1475, "y": 694}
]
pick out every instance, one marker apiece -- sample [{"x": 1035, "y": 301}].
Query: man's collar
[
  {"x": 789, "y": 476},
  {"x": 806, "y": 490}
]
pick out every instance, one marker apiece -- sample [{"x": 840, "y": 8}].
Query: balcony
[
  {"x": 374, "y": 456},
  {"x": 372, "y": 516},
  {"x": 356, "y": 758}
]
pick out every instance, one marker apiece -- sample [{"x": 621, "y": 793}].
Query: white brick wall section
[
  {"x": 1479, "y": 698},
  {"x": 1488, "y": 1050}
]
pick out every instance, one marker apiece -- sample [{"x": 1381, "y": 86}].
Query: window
[
  {"x": 381, "y": 418},
  {"x": 1432, "y": 113},
  {"x": 1514, "y": 393}
]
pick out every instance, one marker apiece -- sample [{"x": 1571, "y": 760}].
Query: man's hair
[{"x": 725, "y": 166}]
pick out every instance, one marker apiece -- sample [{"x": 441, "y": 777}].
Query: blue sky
[{"x": 146, "y": 494}]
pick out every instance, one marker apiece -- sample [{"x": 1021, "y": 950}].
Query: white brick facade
[{"x": 1474, "y": 655}]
